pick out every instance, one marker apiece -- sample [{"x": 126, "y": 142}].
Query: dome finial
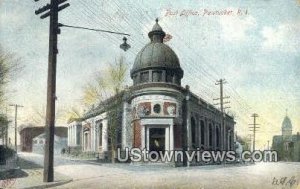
[{"x": 156, "y": 34}]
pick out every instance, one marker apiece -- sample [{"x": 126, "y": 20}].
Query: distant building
[
  {"x": 60, "y": 143},
  {"x": 29, "y": 131},
  {"x": 287, "y": 145},
  {"x": 158, "y": 114}
]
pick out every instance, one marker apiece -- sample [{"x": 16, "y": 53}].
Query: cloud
[
  {"x": 235, "y": 28},
  {"x": 285, "y": 38}
]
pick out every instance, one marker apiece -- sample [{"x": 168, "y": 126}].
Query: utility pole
[
  {"x": 221, "y": 82},
  {"x": 188, "y": 140},
  {"x": 52, "y": 10},
  {"x": 16, "y": 124},
  {"x": 268, "y": 145},
  {"x": 6, "y": 129},
  {"x": 249, "y": 141},
  {"x": 254, "y": 127}
]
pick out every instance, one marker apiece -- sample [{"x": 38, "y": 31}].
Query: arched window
[
  {"x": 87, "y": 138},
  {"x": 100, "y": 134},
  {"x": 202, "y": 125},
  {"x": 230, "y": 139},
  {"x": 218, "y": 136},
  {"x": 193, "y": 130},
  {"x": 210, "y": 135}
]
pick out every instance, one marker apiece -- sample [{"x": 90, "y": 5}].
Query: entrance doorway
[
  {"x": 86, "y": 141},
  {"x": 157, "y": 139}
]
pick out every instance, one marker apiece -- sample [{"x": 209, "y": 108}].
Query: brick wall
[
  {"x": 177, "y": 136},
  {"x": 137, "y": 134}
]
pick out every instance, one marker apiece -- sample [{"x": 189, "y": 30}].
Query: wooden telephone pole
[
  {"x": 254, "y": 127},
  {"x": 221, "y": 82},
  {"x": 16, "y": 124},
  {"x": 53, "y": 8}
]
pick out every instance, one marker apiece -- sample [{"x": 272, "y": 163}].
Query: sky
[{"x": 254, "y": 46}]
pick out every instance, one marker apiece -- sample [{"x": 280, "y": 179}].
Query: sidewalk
[{"x": 29, "y": 175}]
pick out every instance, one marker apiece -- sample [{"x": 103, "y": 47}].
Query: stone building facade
[{"x": 157, "y": 112}]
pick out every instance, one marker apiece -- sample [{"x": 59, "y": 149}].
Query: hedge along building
[{"x": 157, "y": 113}]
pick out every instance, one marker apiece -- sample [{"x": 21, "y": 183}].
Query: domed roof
[
  {"x": 287, "y": 124},
  {"x": 156, "y": 54}
]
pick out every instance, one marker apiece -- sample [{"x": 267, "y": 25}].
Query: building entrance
[{"x": 157, "y": 139}]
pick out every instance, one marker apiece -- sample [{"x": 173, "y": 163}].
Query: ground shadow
[
  {"x": 19, "y": 173},
  {"x": 25, "y": 164},
  {"x": 13, "y": 173}
]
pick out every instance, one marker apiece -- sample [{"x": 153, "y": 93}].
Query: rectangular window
[
  {"x": 134, "y": 77},
  {"x": 157, "y": 76},
  {"x": 169, "y": 77},
  {"x": 144, "y": 77}
]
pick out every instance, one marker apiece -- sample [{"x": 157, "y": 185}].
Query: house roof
[{"x": 30, "y": 125}]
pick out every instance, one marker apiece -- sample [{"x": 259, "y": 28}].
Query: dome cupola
[
  {"x": 157, "y": 34},
  {"x": 286, "y": 126},
  {"x": 156, "y": 62}
]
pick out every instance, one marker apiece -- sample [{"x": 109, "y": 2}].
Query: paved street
[
  {"x": 260, "y": 175},
  {"x": 30, "y": 173},
  {"x": 39, "y": 159}
]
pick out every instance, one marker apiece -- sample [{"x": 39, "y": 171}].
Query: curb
[{"x": 51, "y": 184}]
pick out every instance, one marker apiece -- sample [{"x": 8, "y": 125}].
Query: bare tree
[
  {"x": 244, "y": 141},
  {"x": 73, "y": 114},
  {"x": 106, "y": 83},
  {"x": 9, "y": 65},
  {"x": 4, "y": 128},
  {"x": 38, "y": 115}
]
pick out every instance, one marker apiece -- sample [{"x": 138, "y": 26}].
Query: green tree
[{"x": 106, "y": 88}]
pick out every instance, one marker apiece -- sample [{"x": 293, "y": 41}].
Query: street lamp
[
  {"x": 52, "y": 10},
  {"x": 125, "y": 46}
]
